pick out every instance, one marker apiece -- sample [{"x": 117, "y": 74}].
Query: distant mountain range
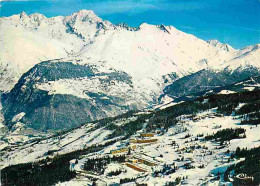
[{"x": 57, "y": 73}]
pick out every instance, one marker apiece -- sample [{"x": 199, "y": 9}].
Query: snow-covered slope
[
  {"x": 221, "y": 46},
  {"x": 61, "y": 94},
  {"x": 148, "y": 51},
  {"x": 208, "y": 79},
  {"x": 28, "y": 40},
  {"x": 182, "y": 145},
  {"x": 130, "y": 67}
]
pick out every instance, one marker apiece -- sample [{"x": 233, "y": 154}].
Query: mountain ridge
[
  {"x": 72, "y": 35},
  {"x": 130, "y": 66}
]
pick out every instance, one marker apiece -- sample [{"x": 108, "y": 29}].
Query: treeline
[
  {"x": 51, "y": 171},
  {"x": 226, "y": 104},
  {"x": 129, "y": 128},
  {"x": 127, "y": 180},
  {"x": 98, "y": 165},
  {"x": 163, "y": 119},
  {"x": 227, "y": 134},
  {"x": 114, "y": 173},
  {"x": 251, "y": 118},
  {"x": 250, "y": 167},
  {"x": 176, "y": 182},
  {"x": 166, "y": 170},
  {"x": 249, "y": 108},
  {"x": 45, "y": 172},
  {"x": 250, "y": 113}
]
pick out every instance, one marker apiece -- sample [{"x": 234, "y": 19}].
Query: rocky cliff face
[
  {"x": 42, "y": 108},
  {"x": 208, "y": 79}
]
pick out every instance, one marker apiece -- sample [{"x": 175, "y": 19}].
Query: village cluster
[
  {"x": 197, "y": 150},
  {"x": 176, "y": 155}
]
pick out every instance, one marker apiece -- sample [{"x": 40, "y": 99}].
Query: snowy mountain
[
  {"x": 146, "y": 51},
  {"x": 191, "y": 107},
  {"x": 64, "y": 94},
  {"x": 220, "y": 46},
  {"x": 208, "y": 79},
  {"x": 93, "y": 69},
  {"x": 28, "y": 40}
]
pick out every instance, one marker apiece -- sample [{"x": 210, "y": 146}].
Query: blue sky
[{"x": 236, "y": 22}]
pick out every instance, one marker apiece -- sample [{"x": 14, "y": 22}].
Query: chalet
[
  {"x": 146, "y": 162},
  {"x": 143, "y": 140},
  {"x": 119, "y": 151},
  {"x": 139, "y": 169},
  {"x": 147, "y": 135},
  {"x": 134, "y": 161}
]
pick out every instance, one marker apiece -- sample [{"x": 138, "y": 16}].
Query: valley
[
  {"x": 87, "y": 102},
  {"x": 193, "y": 142},
  {"x": 80, "y": 68}
]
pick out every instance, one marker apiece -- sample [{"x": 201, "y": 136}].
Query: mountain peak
[
  {"x": 257, "y": 46},
  {"x": 213, "y": 41},
  {"x": 127, "y": 27},
  {"x": 23, "y": 15},
  {"x": 163, "y": 28},
  {"x": 84, "y": 15},
  {"x": 219, "y": 45},
  {"x": 37, "y": 17},
  {"x": 251, "y": 47},
  {"x": 85, "y": 12}
]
